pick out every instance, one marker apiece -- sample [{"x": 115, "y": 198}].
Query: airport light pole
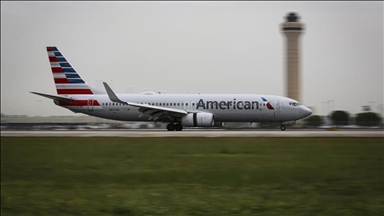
[
  {"x": 381, "y": 108},
  {"x": 327, "y": 102},
  {"x": 324, "y": 107},
  {"x": 333, "y": 107}
]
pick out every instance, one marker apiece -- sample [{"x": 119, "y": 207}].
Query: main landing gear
[
  {"x": 282, "y": 127},
  {"x": 174, "y": 127}
]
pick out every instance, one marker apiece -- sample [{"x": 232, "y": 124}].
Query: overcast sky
[{"x": 196, "y": 47}]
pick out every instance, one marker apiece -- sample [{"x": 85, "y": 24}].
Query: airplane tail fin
[{"x": 67, "y": 80}]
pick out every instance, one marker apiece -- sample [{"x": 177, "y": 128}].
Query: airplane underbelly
[{"x": 235, "y": 116}]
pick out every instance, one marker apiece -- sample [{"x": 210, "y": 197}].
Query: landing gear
[
  {"x": 282, "y": 127},
  {"x": 178, "y": 127},
  {"x": 172, "y": 127}
]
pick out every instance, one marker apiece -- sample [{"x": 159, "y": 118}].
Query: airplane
[{"x": 177, "y": 110}]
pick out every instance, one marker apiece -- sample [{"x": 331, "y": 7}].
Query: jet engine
[{"x": 198, "y": 120}]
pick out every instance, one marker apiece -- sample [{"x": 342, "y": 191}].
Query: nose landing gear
[{"x": 282, "y": 127}]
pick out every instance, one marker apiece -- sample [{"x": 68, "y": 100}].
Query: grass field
[{"x": 192, "y": 176}]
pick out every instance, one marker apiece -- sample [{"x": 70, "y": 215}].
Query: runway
[{"x": 194, "y": 133}]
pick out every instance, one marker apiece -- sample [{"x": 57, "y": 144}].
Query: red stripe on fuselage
[
  {"x": 74, "y": 91},
  {"x": 61, "y": 80},
  {"x": 79, "y": 103},
  {"x": 57, "y": 70}
]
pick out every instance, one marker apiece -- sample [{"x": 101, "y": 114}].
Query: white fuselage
[{"x": 224, "y": 107}]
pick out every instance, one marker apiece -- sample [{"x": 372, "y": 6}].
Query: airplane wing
[
  {"x": 156, "y": 113},
  {"x": 54, "y": 97}
]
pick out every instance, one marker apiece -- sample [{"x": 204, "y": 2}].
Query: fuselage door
[
  {"x": 278, "y": 106},
  {"x": 90, "y": 104}
]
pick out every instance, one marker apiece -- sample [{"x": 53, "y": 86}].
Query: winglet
[{"x": 112, "y": 95}]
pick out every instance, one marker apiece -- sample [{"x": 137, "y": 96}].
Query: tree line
[{"x": 343, "y": 118}]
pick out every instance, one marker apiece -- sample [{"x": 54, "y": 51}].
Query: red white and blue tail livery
[
  {"x": 177, "y": 110},
  {"x": 67, "y": 80}
]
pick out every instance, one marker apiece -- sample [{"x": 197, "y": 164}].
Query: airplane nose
[{"x": 306, "y": 112}]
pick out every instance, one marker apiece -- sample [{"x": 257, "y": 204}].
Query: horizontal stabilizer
[{"x": 53, "y": 97}]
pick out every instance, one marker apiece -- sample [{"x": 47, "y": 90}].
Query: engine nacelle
[{"x": 198, "y": 120}]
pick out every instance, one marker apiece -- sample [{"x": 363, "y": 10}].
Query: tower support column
[{"x": 292, "y": 30}]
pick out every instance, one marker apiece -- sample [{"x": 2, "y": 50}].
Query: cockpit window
[{"x": 294, "y": 104}]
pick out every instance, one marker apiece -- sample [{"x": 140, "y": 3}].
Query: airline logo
[
  {"x": 267, "y": 103},
  {"x": 67, "y": 80}
]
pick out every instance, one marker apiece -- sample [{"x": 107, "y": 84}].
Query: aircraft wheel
[
  {"x": 170, "y": 127},
  {"x": 178, "y": 127},
  {"x": 282, "y": 127}
]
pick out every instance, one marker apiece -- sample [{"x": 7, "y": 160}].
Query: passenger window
[
  {"x": 186, "y": 104},
  {"x": 178, "y": 104}
]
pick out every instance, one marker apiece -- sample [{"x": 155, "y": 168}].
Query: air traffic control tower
[{"x": 292, "y": 29}]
